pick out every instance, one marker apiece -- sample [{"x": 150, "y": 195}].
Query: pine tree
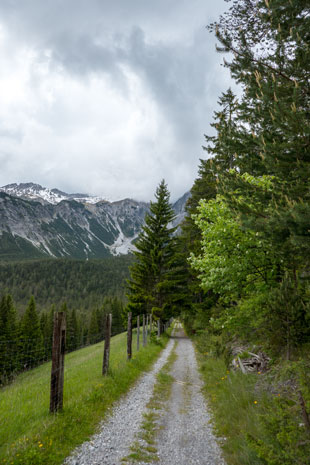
[
  {"x": 72, "y": 331},
  {"x": 117, "y": 309},
  {"x": 45, "y": 329},
  {"x": 32, "y": 340},
  {"x": 8, "y": 338},
  {"x": 269, "y": 41},
  {"x": 93, "y": 329},
  {"x": 153, "y": 284}
]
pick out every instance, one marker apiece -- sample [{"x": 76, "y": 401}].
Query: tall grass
[
  {"x": 29, "y": 435},
  {"x": 235, "y": 407},
  {"x": 258, "y": 416}
]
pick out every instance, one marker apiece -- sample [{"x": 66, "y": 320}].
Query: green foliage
[
  {"x": 26, "y": 341},
  {"x": 9, "y": 358},
  {"x": 249, "y": 238},
  {"x": 260, "y": 415},
  {"x": 82, "y": 284},
  {"x": 156, "y": 275},
  {"x": 31, "y": 341},
  {"x": 72, "y": 341},
  {"x": 233, "y": 259},
  {"x": 252, "y": 244},
  {"x": 285, "y": 435},
  {"x": 14, "y": 247}
]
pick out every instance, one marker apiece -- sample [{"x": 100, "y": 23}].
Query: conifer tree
[
  {"x": 153, "y": 284},
  {"x": 32, "y": 340},
  {"x": 8, "y": 338},
  {"x": 271, "y": 60},
  {"x": 46, "y": 333},
  {"x": 72, "y": 331},
  {"x": 93, "y": 329}
]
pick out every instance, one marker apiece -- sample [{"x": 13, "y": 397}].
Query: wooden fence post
[
  {"x": 143, "y": 332},
  {"x": 150, "y": 324},
  {"x": 106, "y": 352},
  {"x": 158, "y": 328},
  {"x": 58, "y": 360},
  {"x": 138, "y": 332},
  {"x": 129, "y": 336},
  {"x": 147, "y": 327}
]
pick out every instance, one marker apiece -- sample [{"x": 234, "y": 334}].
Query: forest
[
  {"x": 31, "y": 293},
  {"x": 82, "y": 284},
  {"x": 26, "y": 339}
]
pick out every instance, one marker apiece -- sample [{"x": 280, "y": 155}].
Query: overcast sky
[{"x": 107, "y": 97}]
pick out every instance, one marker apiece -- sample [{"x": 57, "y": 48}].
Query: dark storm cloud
[{"x": 164, "y": 43}]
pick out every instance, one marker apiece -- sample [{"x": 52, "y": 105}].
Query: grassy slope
[{"x": 30, "y": 435}]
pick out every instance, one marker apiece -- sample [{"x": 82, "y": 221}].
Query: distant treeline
[
  {"x": 26, "y": 338},
  {"x": 82, "y": 284}
]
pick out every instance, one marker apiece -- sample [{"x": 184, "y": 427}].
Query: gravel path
[
  {"x": 186, "y": 436},
  {"x": 118, "y": 431}
]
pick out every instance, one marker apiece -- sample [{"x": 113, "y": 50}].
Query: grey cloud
[{"x": 164, "y": 43}]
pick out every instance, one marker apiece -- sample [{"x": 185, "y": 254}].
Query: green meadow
[{"x": 30, "y": 435}]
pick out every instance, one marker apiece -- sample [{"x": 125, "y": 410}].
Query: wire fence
[{"x": 20, "y": 355}]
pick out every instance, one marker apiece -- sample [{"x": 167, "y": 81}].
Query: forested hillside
[{"x": 82, "y": 284}]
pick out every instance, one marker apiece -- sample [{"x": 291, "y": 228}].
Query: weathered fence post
[
  {"x": 143, "y": 332},
  {"x": 58, "y": 360},
  {"x": 158, "y": 328},
  {"x": 129, "y": 336},
  {"x": 150, "y": 324},
  {"x": 106, "y": 352},
  {"x": 147, "y": 327}
]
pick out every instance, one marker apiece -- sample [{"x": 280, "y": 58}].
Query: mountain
[
  {"x": 36, "y": 222},
  {"x": 31, "y": 191}
]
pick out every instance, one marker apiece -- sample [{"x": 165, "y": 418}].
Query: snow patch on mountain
[
  {"x": 57, "y": 224},
  {"x": 34, "y": 191}
]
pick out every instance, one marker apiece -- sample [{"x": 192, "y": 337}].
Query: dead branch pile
[{"x": 251, "y": 363}]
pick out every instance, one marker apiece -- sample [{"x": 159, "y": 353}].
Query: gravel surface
[
  {"x": 118, "y": 431},
  {"x": 186, "y": 437}
]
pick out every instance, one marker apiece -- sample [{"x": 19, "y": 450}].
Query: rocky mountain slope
[
  {"x": 38, "y": 222},
  {"x": 31, "y": 191}
]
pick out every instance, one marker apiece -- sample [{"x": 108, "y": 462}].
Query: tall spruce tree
[
  {"x": 270, "y": 45},
  {"x": 72, "y": 331},
  {"x": 32, "y": 339},
  {"x": 156, "y": 274},
  {"x": 8, "y": 338},
  {"x": 93, "y": 328}
]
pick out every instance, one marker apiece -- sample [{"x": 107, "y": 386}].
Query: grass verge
[
  {"x": 144, "y": 448},
  {"x": 235, "y": 407},
  {"x": 29, "y": 435},
  {"x": 258, "y": 417}
]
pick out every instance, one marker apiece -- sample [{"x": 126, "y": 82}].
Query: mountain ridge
[
  {"x": 34, "y": 191},
  {"x": 69, "y": 227}
]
